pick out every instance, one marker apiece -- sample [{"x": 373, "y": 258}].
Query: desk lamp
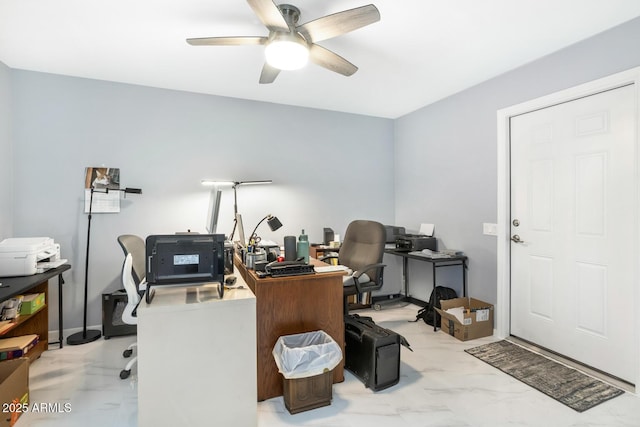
[
  {"x": 274, "y": 224},
  {"x": 87, "y": 336},
  {"x": 234, "y": 185}
]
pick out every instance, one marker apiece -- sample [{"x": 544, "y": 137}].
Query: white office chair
[{"x": 129, "y": 314}]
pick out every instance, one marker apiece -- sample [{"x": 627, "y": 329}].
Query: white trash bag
[{"x": 305, "y": 355}]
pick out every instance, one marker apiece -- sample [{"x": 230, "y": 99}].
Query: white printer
[{"x": 24, "y": 256}]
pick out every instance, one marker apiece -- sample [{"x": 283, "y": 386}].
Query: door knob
[{"x": 515, "y": 238}]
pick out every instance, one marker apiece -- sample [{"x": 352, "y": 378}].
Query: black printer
[
  {"x": 393, "y": 232},
  {"x": 415, "y": 242}
]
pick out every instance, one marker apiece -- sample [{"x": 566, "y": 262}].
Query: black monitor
[{"x": 183, "y": 260}]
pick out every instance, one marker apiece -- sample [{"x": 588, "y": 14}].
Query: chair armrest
[
  {"x": 377, "y": 281},
  {"x": 360, "y": 272}
]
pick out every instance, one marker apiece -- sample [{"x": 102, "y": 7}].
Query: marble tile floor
[{"x": 440, "y": 385}]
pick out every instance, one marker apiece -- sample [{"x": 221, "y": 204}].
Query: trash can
[{"x": 306, "y": 362}]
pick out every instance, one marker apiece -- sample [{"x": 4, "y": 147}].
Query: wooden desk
[
  {"x": 38, "y": 322},
  {"x": 292, "y": 305}
]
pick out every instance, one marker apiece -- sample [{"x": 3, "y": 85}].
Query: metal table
[{"x": 436, "y": 263}]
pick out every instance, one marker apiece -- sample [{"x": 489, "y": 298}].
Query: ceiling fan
[{"x": 289, "y": 45}]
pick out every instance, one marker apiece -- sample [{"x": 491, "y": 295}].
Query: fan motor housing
[{"x": 290, "y": 13}]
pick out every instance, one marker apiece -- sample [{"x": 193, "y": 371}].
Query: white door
[{"x": 573, "y": 210}]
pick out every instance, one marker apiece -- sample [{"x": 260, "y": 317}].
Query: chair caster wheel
[
  {"x": 124, "y": 374},
  {"x": 127, "y": 353},
  {"x": 377, "y": 307}
]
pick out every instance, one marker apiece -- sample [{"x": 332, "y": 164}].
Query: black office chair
[
  {"x": 133, "y": 273},
  {"x": 362, "y": 250}
]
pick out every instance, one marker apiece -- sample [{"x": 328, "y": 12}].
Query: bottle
[{"x": 303, "y": 246}]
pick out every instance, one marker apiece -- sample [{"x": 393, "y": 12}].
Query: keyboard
[{"x": 291, "y": 270}]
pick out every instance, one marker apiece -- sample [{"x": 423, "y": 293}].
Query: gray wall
[
  {"x": 165, "y": 142},
  {"x": 6, "y": 154},
  {"x": 445, "y": 153}
]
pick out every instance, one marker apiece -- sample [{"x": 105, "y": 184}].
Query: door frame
[{"x": 503, "y": 303}]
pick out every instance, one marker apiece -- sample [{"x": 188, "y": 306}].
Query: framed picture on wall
[{"x": 98, "y": 183}]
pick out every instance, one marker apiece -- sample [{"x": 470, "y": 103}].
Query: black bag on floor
[
  {"x": 428, "y": 313},
  {"x": 372, "y": 353}
]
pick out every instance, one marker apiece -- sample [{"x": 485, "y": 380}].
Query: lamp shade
[
  {"x": 233, "y": 183},
  {"x": 287, "y": 52},
  {"x": 217, "y": 183},
  {"x": 274, "y": 223}
]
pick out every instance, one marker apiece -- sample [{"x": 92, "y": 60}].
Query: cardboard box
[
  {"x": 477, "y": 318},
  {"x": 14, "y": 389},
  {"x": 31, "y": 303}
]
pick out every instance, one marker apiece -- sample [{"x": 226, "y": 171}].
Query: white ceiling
[{"x": 420, "y": 51}]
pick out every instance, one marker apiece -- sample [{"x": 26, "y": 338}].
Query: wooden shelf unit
[{"x": 38, "y": 322}]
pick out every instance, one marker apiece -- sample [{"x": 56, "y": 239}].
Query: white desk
[{"x": 197, "y": 358}]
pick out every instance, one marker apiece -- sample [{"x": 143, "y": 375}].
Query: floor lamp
[{"x": 86, "y": 336}]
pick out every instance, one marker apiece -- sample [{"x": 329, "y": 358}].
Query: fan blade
[
  {"x": 226, "y": 41},
  {"x": 269, "y": 14},
  {"x": 339, "y": 23},
  {"x": 268, "y": 74},
  {"x": 331, "y": 61}
]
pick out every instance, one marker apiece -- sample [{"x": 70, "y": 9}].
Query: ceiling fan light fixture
[
  {"x": 287, "y": 53},
  {"x": 289, "y": 46}
]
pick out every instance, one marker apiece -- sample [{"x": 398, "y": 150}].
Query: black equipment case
[
  {"x": 372, "y": 352},
  {"x": 113, "y": 306}
]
